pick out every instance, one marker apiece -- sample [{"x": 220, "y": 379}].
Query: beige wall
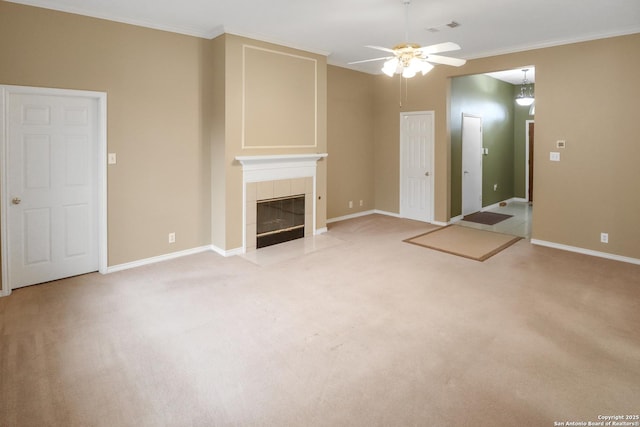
[
  {"x": 217, "y": 135},
  {"x": 237, "y": 97},
  {"x": 423, "y": 93},
  {"x": 153, "y": 81},
  {"x": 168, "y": 96},
  {"x": 350, "y": 141},
  {"x": 594, "y": 188},
  {"x": 174, "y": 120}
]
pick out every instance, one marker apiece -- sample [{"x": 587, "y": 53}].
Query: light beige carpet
[
  {"x": 466, "y": 242},
  {"x": 365, "y": 330}
]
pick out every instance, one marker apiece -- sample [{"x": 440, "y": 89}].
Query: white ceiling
[
  {"x": 341, "y": 28},
  {"x": 516, "y": 76}
]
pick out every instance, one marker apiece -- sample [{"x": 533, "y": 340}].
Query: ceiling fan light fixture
[
  {"x": 409, "y": 59},
  {"x": 408, "y": 72},
  {"x": 390, "y": 67}
]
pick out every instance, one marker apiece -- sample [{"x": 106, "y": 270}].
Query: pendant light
[{"x": 525, "y": 97}]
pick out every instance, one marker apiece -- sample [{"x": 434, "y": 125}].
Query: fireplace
[
  {"x": 279, "y": 220},
  {"x": 274, "y": 177}
]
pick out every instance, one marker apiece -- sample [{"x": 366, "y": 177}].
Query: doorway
[
  {"x": 529, "y": 143},
  {"x": 471, "y": 164},
  {"x": 53, "y": 195},
  {"x": 416, "y": 165}
]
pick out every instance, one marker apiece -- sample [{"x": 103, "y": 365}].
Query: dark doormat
[{"x": 487, "y": 218}]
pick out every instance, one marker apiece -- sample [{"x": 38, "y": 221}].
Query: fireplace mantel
[
  {"x": 279, "y": 158},
  {"x": 283, "y": 166},
  {"x": 257, "y": 170}
]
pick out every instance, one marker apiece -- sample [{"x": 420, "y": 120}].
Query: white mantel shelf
[
  {"x": 274, "y": 167},
  {"x": 265, "y": 161}
]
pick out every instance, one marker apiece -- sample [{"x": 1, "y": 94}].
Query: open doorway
[
  {"x": 507, "y": 167},
  {"x": 530, "y": 127}
]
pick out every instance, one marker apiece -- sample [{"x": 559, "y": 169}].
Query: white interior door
[
  {"x": 416, "y": 165},
  {"x": 52, "y": 188},
  {"x": 471, "y": 164}
]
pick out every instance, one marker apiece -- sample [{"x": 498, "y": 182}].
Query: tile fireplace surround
[{"x": 267, "y": 177}]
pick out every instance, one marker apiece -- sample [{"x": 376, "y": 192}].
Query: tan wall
[
  {"x": 286, "y": 141},
  {"x": 217, "y": 134},
  {"x": 594, "y": 188},
  {"x": 165, "y": 113},
  {"x": 350, "y": 163},
  {"x": 174, "y": 120},
  {"x": 423, "y": 93},
  {"x": 153, "y": 81}
]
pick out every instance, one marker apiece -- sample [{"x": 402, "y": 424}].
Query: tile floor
[{"x": 519, "y": 224}]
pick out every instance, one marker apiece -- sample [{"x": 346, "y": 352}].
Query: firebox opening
[{"x": 280, "y": 220}]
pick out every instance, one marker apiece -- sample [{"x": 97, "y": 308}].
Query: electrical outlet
[
  {"x": 495, "y": 187},
  {"x": 604, "y": 237},
  {"x": 172, "y": 237},
  {"x": 350, "y": 204},
  {"x": 111, "y": 159}
]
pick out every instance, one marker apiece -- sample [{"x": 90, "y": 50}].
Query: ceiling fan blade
[
  {"x": 384, "y": 49},
  {"x": 437, "y": 59},
  {"x": 370, "y": 60},
  {"x": 439, "y": 48}
]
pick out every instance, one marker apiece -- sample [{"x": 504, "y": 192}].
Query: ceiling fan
[{"x": 410, "y": 58}]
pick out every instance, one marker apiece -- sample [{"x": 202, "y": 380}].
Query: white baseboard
[
  {"x": 497, "y": 205},
  {"x": 440, "y": 223},
  {"x": 321, "y": 230},
  {"x": 350, "y": 216},
  {"x": 160, "y": 258},
  {"x": 393, "y": 214},
  {"x": 455, "y": 219},
  {"x": 226, "y": 253},
  {"x": 585, "y": 251}
]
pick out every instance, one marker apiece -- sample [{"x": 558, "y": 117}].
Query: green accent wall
[{"x": 493, "y": 100}]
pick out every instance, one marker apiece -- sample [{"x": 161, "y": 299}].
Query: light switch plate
[
  {"x": 111, "y": 158},
  {"x": 554, "y": 156}
]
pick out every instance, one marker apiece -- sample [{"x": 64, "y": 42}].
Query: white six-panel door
[
  {"x": 416, "y": 165},
  {"x": 52, "y": 206}
]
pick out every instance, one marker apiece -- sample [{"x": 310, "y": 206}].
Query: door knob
[
  {"x": 16, "y": 200},
  {"x": 426, "y": 174}
]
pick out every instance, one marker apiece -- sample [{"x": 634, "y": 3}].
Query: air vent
[{"x": 438, "y": 28}]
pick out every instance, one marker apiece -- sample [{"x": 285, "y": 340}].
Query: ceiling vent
[{"x": 437, "y": 28}]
